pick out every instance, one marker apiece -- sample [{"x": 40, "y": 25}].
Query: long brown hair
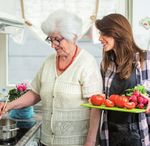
[{"x": 118, "y": 27}]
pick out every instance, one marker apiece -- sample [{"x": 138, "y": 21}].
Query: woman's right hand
[
  {"x": 89, "y": 143},
  {"x": 2, "y": 110}
]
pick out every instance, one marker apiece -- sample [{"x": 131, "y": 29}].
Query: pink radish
[
  {"x": 136, "y": 93},
  {"x": 140, "y": 105},
  {"x": 133, "y": 98}
]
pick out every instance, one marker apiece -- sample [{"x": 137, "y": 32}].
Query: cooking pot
[{"x": 8, "y": 129}]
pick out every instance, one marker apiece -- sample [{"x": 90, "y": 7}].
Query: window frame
[
  {"x": 4, "y": 47},
  {"x": 4, "y": 60}
]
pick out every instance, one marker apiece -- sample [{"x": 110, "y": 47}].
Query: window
[
  {"x": 21, "y": 61},
  {"x": 25, "y": 59}
]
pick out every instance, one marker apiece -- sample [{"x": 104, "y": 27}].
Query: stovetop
[{"x": 24, "y": 127}]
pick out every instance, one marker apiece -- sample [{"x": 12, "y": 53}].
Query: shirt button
[{"x": 142, "y": 140}]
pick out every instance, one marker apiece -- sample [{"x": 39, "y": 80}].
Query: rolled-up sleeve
[{"x": 91, "y": 80}]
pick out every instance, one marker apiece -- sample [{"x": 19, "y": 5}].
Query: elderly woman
[{"x": 65, "y": 80}]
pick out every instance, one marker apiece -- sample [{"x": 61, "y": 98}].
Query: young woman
[{"x": 124, "y": 66}]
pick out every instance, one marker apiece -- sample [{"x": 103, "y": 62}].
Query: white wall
[
  {"x": 10, "y": 7},
  {"x": 141, "y": 9}
]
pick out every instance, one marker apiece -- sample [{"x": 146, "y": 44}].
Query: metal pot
[{"x": 8, "y": 129}]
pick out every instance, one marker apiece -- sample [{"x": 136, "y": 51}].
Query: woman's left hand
[{"x": 148, "y": 106}]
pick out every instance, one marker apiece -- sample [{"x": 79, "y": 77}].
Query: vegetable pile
[{"x": 136, "y": 97}]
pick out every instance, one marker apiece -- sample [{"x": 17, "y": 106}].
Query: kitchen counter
[{"x": 32, "y": 137}]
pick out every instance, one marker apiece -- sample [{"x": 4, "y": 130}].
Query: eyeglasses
[{"x": 55, "y": 41}]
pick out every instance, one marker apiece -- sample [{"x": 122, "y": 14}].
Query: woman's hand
[
  {"x": 95, "y": 116},
  {"x": 148, "y": 106},
  {"x": 89, "y": 143},
  {"x": 2, "y": 110}
]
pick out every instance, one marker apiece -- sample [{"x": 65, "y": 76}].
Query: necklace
[{"x": 63, "y": 69}]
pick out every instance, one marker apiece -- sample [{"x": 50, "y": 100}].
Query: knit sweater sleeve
[
  {"x": 36, "y": 82},
  {"x": 91, "y": 79}
]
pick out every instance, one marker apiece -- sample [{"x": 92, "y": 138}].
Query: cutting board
[{"x": 103, "y": 107}]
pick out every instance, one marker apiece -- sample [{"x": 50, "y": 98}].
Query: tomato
[
  {"x": 121, "y": 100},
  {"x": 113, "y": 97},
  {"x": 118, "y": 100},
  {"x": 97, "y": 100},
  {"x": 109, "y": 103},
  {"x": 129, "y": 105}
]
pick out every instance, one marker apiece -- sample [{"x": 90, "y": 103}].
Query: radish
[
  {"x": 130, "y": 98},
  {"x": 140, "y": 105},
  {"x": 136, "y": 93},
  {"x": 145, "y": 101},
  {"x": 140, "y": 99},
  {"x": 136, "y": 103},
  {"x": 133, "y": 98}
]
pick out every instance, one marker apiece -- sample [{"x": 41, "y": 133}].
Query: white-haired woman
[{"x": 65, "y": 80}]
